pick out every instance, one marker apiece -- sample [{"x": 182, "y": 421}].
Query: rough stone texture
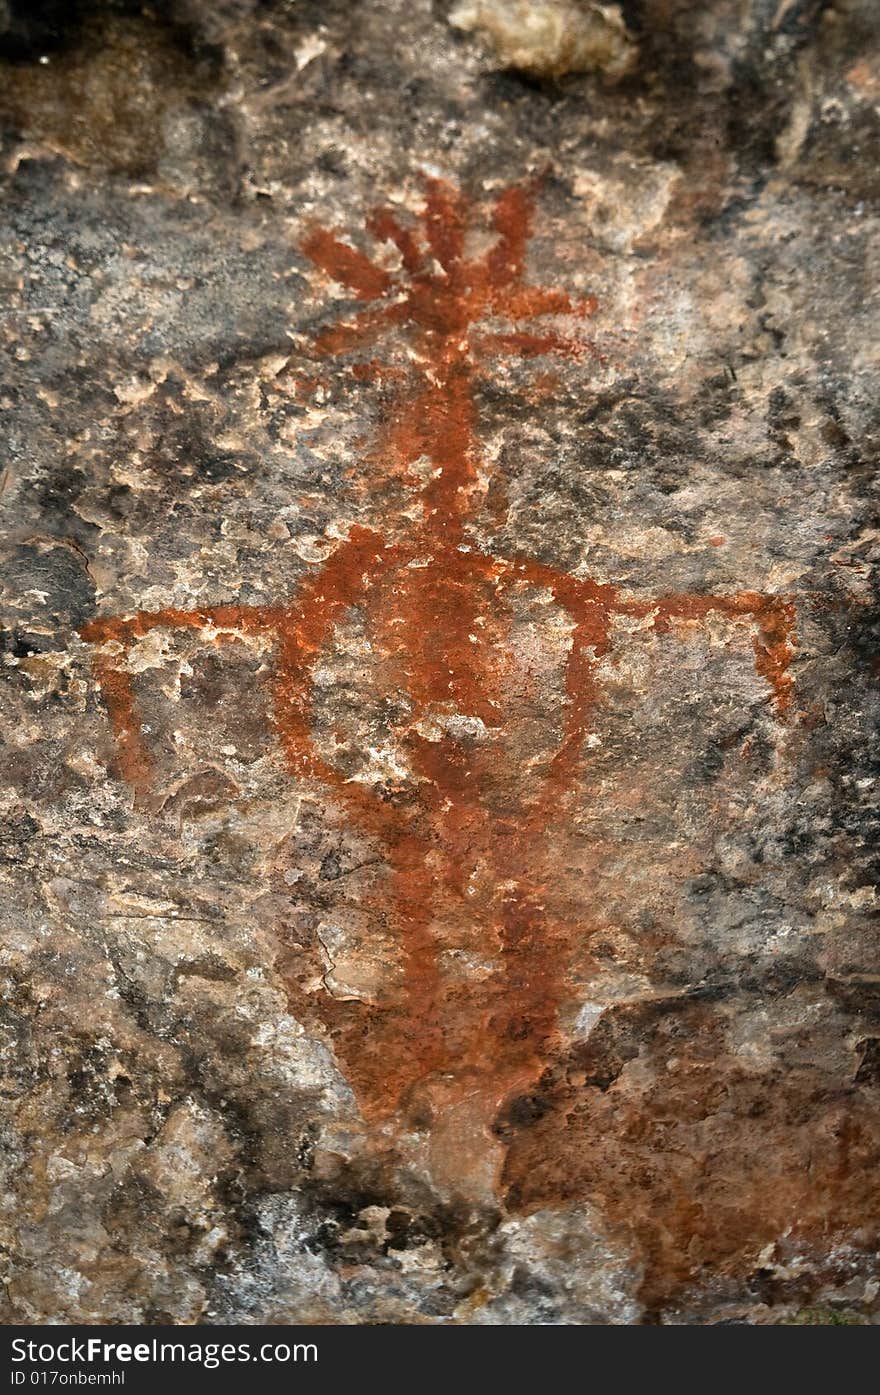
[{"x": 438, "y": 795}]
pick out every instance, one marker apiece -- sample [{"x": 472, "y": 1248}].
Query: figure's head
[{"x": 439, "y": 291}]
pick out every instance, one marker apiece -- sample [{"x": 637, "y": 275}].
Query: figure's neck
[{"x": 447, "y": 429}]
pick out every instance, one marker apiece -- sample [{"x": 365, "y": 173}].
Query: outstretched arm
[
  {"x": 110, "y": 666},
  {"x": 773, "y": 617},
  {"x": 225, "y": 619},
  {"x": 355, "y": 566}
]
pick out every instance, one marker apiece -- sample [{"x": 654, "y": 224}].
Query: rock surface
[{"x": 439, "y": 803}]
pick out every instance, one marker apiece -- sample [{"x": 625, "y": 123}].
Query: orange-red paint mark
[
  {"x": 439, "y": 613},
  {"x": 773, "y": 618},
  {"x": 345, "y": 265}
]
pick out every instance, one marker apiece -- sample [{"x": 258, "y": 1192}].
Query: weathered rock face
[{"x": 438, "y": 665}]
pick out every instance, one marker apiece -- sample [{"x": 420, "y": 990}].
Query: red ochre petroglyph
[{"x": 439, "y": 612}]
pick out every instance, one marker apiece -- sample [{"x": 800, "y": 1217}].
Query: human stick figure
[{"x": 438, "y": 613}]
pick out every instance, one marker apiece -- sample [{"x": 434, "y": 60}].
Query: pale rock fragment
[{"x": 551, "y": 38}]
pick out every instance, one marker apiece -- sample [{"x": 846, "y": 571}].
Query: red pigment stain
[{"x": 424, "y": 591}]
